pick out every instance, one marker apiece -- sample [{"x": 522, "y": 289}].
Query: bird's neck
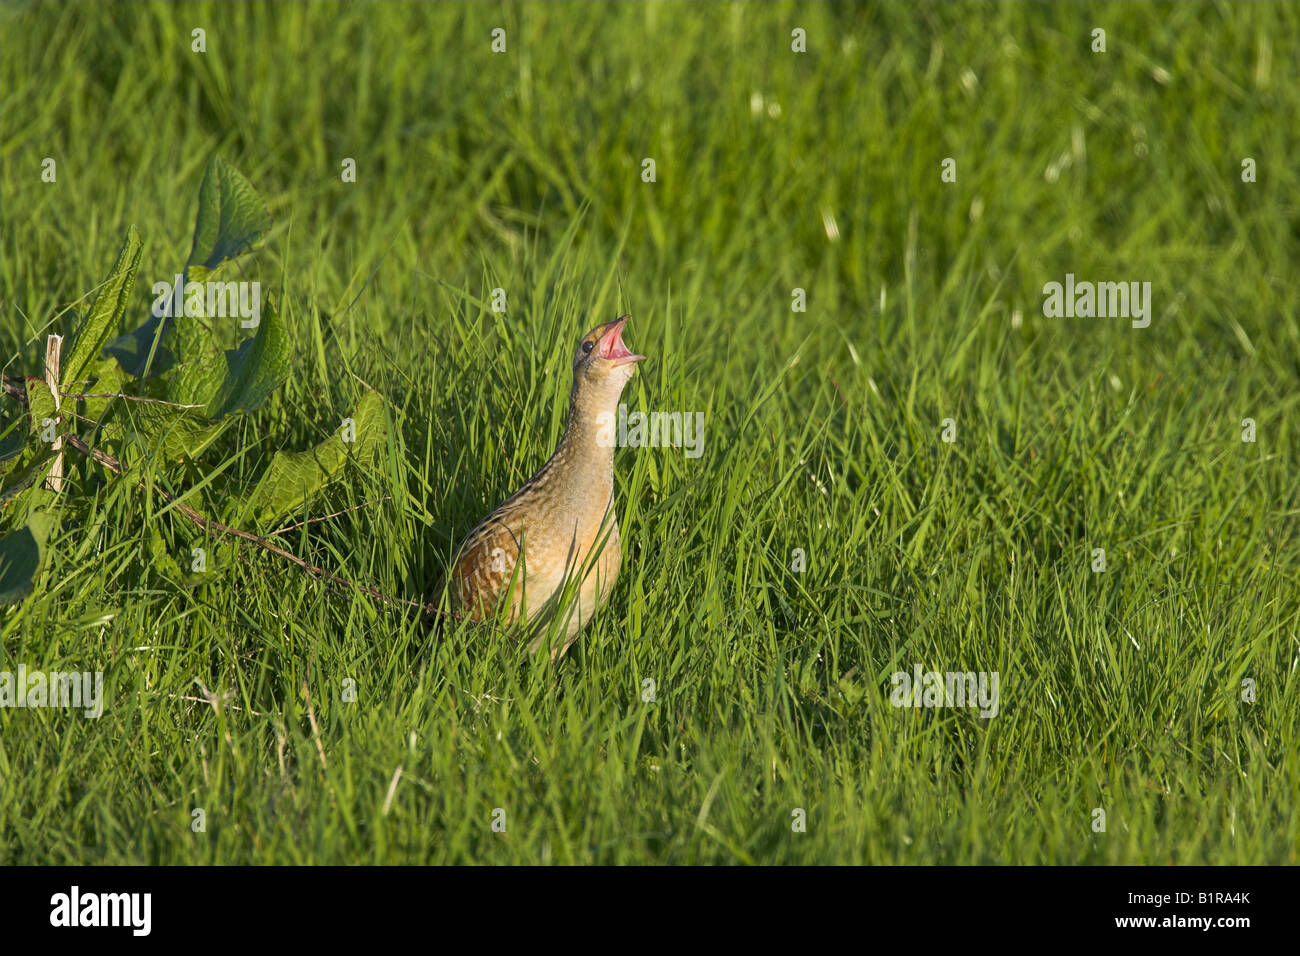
[{"x": 584, "y": 460}]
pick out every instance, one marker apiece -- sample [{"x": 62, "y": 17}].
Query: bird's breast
[{"x": 556, "y": 531}]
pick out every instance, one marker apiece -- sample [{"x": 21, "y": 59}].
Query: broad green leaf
[
  {"x": 201, "y": 363},
  {"x": 230, "y": 219},
  {"x": 42, "y": 524},
  {"x": 105, "y": 314},
  {"x": 254, "y": 370},
  {"x": 293, "y": 477},
  {"x": 40, "y": 405},
  {"x": 21, "y": 550},
  {"x": 173, "y": 431},
  {"x": 104, "y": 377},
  {"x": 20, "y": 559},
  {"x": 131, "y": 351}
]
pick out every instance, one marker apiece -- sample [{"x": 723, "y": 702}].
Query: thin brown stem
[
  {"x": 303, "y": 524},
  {"x": 131, "y": 398}
]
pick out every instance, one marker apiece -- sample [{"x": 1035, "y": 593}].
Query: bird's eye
[{"x": 587, "y": 347}]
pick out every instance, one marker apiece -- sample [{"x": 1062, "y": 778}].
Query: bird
[{"x": 553, "y": 546}]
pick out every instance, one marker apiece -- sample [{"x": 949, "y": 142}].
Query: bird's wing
[{"x": 488, "y": 568}]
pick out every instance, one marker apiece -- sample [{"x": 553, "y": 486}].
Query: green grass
[{"x": 1119, "y": 690}]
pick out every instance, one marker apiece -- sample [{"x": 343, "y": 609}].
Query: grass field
[{"x": 1120, "y": 690}]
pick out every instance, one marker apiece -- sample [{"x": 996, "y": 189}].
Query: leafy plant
[{"x": 159, "y": 396}]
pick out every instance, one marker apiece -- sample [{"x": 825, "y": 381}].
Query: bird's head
[{"x": 602, "y": 365}]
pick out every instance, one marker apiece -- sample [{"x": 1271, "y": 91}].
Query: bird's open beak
[{"x": 611, "y": 345}]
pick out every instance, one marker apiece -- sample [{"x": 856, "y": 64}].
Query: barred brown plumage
[{"x": 553, "y": 546}]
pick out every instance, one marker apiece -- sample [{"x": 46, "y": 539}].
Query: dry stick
[
  {"x": 53, "y": 347},
  {"x": 115, "y": 466},
  {"x": 15, "y": 388}
]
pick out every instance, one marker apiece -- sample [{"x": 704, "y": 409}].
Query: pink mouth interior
[{"x": 611, "y": 345}]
